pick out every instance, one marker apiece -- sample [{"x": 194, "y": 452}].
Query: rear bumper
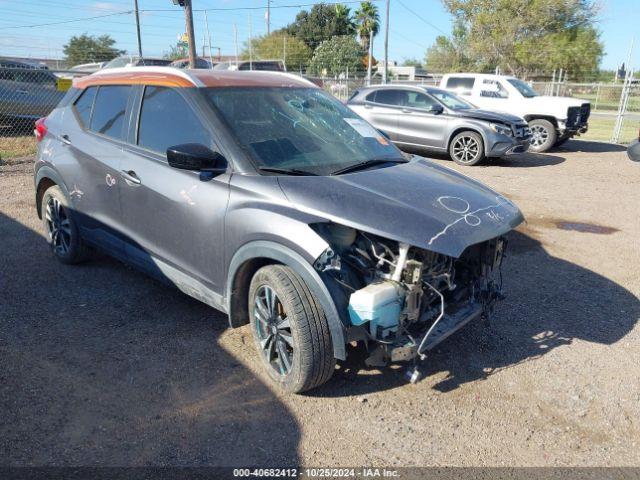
[{"x": 579, "y": 129}]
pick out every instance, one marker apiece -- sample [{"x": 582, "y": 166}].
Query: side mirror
[
  {"x": 195, "y": 156},
  {"x": 436, "y": 109}
]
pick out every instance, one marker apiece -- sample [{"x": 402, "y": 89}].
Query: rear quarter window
[
  {"x": 109, "y": 109},
  {"x": 462, "y": 85}
]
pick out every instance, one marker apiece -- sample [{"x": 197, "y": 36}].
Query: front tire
[
  {"x": 543, "y": 135},
  {"x": 60, "y": 228},
  {"x": 467, "y": 149},
  {"x": 290, "y": 330}
]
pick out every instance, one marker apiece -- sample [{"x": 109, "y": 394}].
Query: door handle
[
  {"x": 406, "y": 110},
  {"x": 65, "y": 139},
  {"x": 130, "y": 177},
  {"x": 367, "y": 106}
]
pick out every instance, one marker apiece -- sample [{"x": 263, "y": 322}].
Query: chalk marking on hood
[{"x": 470, "y": 218}]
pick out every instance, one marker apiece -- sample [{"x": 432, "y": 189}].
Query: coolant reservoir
[{"x": 378, "y": 303}]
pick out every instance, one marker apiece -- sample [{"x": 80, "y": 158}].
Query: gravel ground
[{"x": 103, "y": 366}]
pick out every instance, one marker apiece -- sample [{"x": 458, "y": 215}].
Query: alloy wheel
[
  {"x": 274, "y": 330},
  {"x": 465, "y": 149},
  {"x": 539, "y": 135},
  {"x": 58, "y": 226}
]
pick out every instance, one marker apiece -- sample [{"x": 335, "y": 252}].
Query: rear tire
[
  {"x": 467, "y": 149},
  {"x": 543, "y": 135},
  {"x": 290, "y": 330},
  {"x": 60, "y": 227}
]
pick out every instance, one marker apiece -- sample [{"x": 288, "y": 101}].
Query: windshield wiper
[
  {"x": 368, "y": 163},
  {"x": 286, "y": 171}
]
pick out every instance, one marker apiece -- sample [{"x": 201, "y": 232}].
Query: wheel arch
[
  {"x": 45, "y": 178},
  {"x": 549, "y": 118},
  {"x": 253, "y": 256},
  {"x": 467, "y": 128}
]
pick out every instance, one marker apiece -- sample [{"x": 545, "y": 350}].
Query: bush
[{"x": 336, "y": 56}]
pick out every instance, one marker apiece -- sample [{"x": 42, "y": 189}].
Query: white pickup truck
[{"x": 553, "y": 120}]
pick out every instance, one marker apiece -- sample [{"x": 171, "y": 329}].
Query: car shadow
[
  {"x": 589, "y": 146},
  {"x": 550, "y": 303},
  {"x": 527, "y": 160},
  {"x": 103, "y": 366}
]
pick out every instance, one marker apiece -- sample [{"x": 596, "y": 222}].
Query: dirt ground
[{"x": 103, "y": 366}]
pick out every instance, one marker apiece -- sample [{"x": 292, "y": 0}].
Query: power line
[
  {"x": 128, "y": 12},
  {"x": 222, "y": 9},
  {"x": 421, "y": 18},
  {"x": 228, "y": 9}
]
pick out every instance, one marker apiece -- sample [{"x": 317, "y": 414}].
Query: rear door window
[
  {"x": 391, "y": 97},
  {"x": 462, "y": 85},
  {"x": 84, "y": 105},
  {"x": 166, "y": 120},
  {"x": 109, "y": 109}
]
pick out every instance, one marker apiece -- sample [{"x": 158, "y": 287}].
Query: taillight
[{"x": 41, "y": 129}]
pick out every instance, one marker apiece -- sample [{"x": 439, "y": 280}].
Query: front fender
[
  {"x": 278, "y": 253},
  {"x": 461, "y": 126}
]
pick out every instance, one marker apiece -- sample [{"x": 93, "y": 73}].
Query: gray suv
[
  {"x": 27, "y": 92},
  {"x": 264, "y": 197},
  {"x": 432, "y": 118}
]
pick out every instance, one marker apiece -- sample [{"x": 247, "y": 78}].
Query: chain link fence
[
  {"x": 29, "y": 92},
  {"x": 615, "y": 107}
]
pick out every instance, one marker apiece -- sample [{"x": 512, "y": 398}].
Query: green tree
[
  {"x": 451, "y": 54},
  {"x": 525, "y": 36},
  {"x": 88, "y": 48},
  {"x": 337, "y": 55},
  {"x": 367, "y": 21},
  {"x": 320, "y": 23},
  {"x": 279, "y": 45},
  {"x": 343, "y": 17},
  {"x": 412, "y": 62},
  {"x": 177, "y": 51}
]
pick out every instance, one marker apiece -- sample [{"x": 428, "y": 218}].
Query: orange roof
[
  {"x": 134, "y": 76},
  {"x": 231, "y": 78},
  {"x": 172, "y": 77}
]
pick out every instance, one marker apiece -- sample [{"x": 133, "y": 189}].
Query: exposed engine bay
[{"x": 402, "y": 300}]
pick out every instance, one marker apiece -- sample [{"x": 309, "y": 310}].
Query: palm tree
[
  {"x": 343, "y": 18},
  {"x": 367, "y": 21}
]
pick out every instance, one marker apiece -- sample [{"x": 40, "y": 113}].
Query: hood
[
  {"x": 419, "y": 203},
  {"x": 488, "y": 115}
]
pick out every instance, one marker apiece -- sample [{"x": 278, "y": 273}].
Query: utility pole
[
  {"x": 369, "y": 59},
  {"x": 268, "y": 17},
  {"x": 188, "y": 13},
  {"x": 235, "y": 36},
  {"x": 250, "y": 46},
  {"x": 206, "y": 23},
  {"x": 386, "y": 46},
  {"x": 135, "y": 4},
  {"x": 284, "y": 52}
]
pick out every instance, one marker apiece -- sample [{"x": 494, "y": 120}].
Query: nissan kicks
[{"x": 264, "y": 197}]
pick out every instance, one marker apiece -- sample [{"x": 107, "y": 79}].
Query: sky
[{"x": 413, "y": 26}]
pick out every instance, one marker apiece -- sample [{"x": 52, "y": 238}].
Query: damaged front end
[{"x": 402, "y": 300}]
